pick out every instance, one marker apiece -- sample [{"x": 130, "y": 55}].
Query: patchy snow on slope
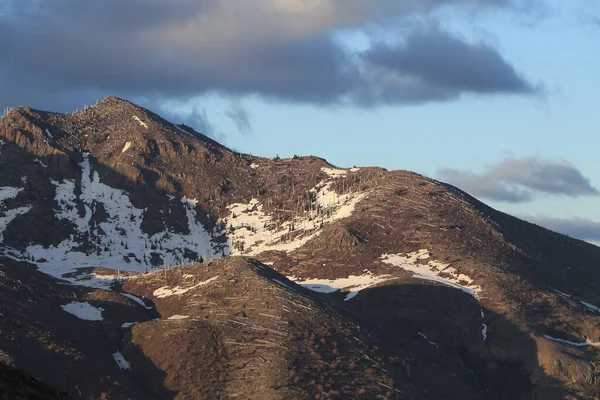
[
  {"x": 565, "y": 295},
  {"x": 484, "y": 327},
  {"x": 576, "y": 344},
  {"x": 121, "y": 361},
  {"x": 432, "y": 271},
  {"x": 254, "y": 166},
  {"x": 49, "y": 134},
  {"x": 167, "y": 291},
  {"x": 94, "y": 280},
  {"x": 137, "y": 300},
  {"x": 353, "y": 284},
  {"x": 118, "y": 242},
  {"x": 9, "y": 192},
  {"x": 128, "y": 325},
  {"x": 7, "y": 216},
  {"x": 177, "y": 317},
  {"x": 251, "y": 231},
  {"x": 334, "y": 172},
  {"x": 587, "y": 305},
  {"x": 126, "y": 147},
  {"x": 428, "y": 341},
  {"x": 84, "y": 310},
  {"x": 37, "y": 161},
  {"x": 590, "y": 306},
  {"x": 142, "y": 123}
]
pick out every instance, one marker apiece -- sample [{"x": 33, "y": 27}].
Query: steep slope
[
  {"x": 17, "y": 385},
  {"x": 446, "y": 287}
]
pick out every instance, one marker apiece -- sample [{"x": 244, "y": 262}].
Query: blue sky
[{"x": 480, "y": 90}]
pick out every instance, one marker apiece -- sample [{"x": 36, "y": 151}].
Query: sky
[{"x": 498, "y": 97}]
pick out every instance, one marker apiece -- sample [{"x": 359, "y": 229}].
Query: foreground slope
[{"x": 462, "y": 300}]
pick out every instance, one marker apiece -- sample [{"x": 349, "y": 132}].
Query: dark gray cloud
[
  {"x": 518, "y": 180},
  {"x": 197, "y": 118},
  {"x": 240, "y": 117},
  {"x": 580, "y": 228},
  {"x": 432, "y": 65},
  {"x": 65, "y": 53}
]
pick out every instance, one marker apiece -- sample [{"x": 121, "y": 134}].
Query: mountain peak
[{"x": 114, "y": 101}]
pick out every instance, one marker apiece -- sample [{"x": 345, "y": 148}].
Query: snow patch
[
  {"x": 428, "y": 341},
  {"x": 576, "y": 344},
  {"x": 49, "y": 134},
  {"x": 94, "y": 280},
  {"x": 590, "y": 306},
  {"x": 587, "y": 305},
  {"x": 8, "y": 192},
  {"x": 142, "y": 123},
  {"x": 137, "y": 300},
  {"x": 251, "y": 231},
  {"x": 37, "y": 161},
  {"x": 167, "y": 291},
  {"x": 484, "y": 326},
  {"x": 178, "y": 317},
  {"x": 128, "y": 325},
  {"x": 9, "y": 216},
  {"x": 334, "y": 172},
  {"x": 352, "y": 284},
  {"x": 121, "y": 361},
  {"x": 254, "y": 166},
  {"x": 432, "y": 271},
  {"x": 84, "y": 310},
  {"x": 126, "y": 147},
  {"x": 118, "y": 242}
]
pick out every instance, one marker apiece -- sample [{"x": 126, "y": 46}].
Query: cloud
[
  {"x": 66, "y": 52},
  {"x": 197, "y": 118},
  {"x": 240, "y": 117},
  {"x": 518, "y": 180},
  {"x": 580, "y": 228},
  {"x": 432, "y": 65}
]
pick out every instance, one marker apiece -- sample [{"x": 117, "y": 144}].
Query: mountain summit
[{"x": 142, "y": 259}]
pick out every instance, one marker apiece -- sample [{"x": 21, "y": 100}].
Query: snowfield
[
  {"x": 167, "y": 291},
  {"x": 121, "y": 361},
  {"x": 251, "y": 231},
  {"x": 84, "y": 310},
  {"x": 117, "y": 243},
  {"x": 353, "y": 284},
  {"x": 142, "y": 123},
  {"x": 432, "y": 271},
  {"x": 436, "y": 272},
  {"x": 137, "y": 300}
]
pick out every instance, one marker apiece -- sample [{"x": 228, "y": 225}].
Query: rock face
[{"x": 141, "y": 259}]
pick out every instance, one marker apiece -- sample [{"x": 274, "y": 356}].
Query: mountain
[{"x": 140, "y": 259}]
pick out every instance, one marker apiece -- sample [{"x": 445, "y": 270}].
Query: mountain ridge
[{"x": 108, "y": 196}]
